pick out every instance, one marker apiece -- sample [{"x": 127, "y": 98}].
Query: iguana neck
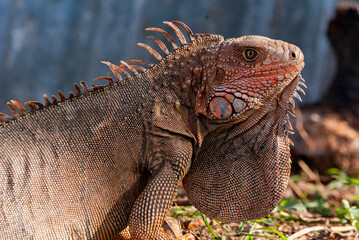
[
  {"x": 187, "y": 70},
  {"x": 253, "y": 159}
]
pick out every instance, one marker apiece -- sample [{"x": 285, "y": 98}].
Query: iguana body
[{"x": 88, "y": 166}]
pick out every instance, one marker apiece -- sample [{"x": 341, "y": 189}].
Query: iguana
[{"x": 212, "y": 112}]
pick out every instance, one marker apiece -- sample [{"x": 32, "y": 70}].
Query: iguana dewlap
[{"x": 212, "y": 112}]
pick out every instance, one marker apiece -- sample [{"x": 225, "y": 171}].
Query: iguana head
[{"x": 249, "y": 70}]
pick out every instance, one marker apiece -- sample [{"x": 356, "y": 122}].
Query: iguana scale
[{"x": 212, "y": 112}]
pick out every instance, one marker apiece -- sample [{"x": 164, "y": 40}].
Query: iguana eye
[{"x": 250, "y": 54}]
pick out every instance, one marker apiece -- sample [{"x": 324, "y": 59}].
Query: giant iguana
[{"x": 212, "y": 112}]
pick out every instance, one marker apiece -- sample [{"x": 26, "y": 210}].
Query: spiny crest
[
  {"x": 125, "y": 70},
  {"x": 290, "y": 109},
  {"x": 120, "y": 70}
]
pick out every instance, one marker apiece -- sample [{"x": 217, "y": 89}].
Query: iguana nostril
[{"x": 293, "y": 55}]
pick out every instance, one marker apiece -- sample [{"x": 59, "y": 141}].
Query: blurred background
[{"x": 46, "y": 45}]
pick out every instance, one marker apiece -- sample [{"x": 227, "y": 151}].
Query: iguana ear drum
[
  {"x": 221, "y": 108},
  {"x": 224, "y": 107}
]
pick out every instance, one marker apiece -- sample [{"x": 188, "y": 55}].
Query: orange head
[{"x": 249, "y": 69}]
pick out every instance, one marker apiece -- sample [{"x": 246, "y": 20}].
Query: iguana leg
[{"x": 153, "y": 203}]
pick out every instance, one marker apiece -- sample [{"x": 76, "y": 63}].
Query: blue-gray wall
[{"x": 46, "y": 45}]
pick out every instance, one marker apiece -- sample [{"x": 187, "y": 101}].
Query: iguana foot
[
  {"x": 124, "y": 235},
  {"x": 187, "y": 236}
]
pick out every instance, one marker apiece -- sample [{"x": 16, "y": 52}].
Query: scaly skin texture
[{"x": 88, "y": 166}]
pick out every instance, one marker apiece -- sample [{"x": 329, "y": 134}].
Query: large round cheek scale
[{"x": 221, "y": 108}]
